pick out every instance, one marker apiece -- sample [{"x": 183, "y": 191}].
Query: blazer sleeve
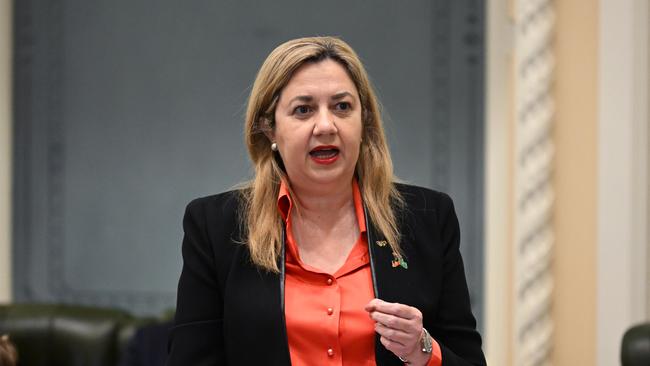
[
  {"x": 197, "y": 335},
  {"x": 455, "y": 328}
]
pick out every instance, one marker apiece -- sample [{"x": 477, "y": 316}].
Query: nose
[{"x": 325, "y": 124}]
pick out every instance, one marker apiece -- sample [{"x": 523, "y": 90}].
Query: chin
[
  {"x": 331, "y": 177},
  {"x": 317, "y": 177}
]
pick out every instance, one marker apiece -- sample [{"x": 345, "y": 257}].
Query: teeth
[{"x": 324, "y": 153}]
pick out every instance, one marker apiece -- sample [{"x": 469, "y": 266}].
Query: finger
[
  {"x": 394, "y": 322},
  {"x": 391, "y": 321},
  {"x": 396, "y": 335},
  {"x": 372, "y": 305},
  {"x": 397, "y": 309},
  {"x": 395, "y": 347}
]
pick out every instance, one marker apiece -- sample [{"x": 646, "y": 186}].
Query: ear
[{"x": 268, "y": 128}]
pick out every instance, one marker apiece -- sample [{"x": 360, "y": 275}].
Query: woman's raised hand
[{"x": 400, "y": 328}]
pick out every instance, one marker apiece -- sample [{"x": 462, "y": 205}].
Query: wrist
[
  {"x": 418, "y": 358},
  {"x": 422, "y": 353}
]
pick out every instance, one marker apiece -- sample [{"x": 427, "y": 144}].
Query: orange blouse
[{"x": 325, "y": 317}]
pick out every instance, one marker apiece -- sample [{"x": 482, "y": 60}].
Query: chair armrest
[{"x": 635, "y": 347}]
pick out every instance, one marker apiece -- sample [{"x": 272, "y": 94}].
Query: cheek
[
  {"x": 291, "y": 141},
  {"x": 292, "y": 144},
  {"x": 358, "y": 134},
  {"x": 354, "y": 142},
  {"x": 282, "y": 134}
]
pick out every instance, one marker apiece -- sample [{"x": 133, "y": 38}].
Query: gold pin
[{"x": 381, "y": 243}]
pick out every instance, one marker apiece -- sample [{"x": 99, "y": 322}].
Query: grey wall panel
[
  {"x": 126, "y": 110},
  {"x": 458, "y": 92}
]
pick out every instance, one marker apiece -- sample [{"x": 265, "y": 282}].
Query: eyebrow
[
  {"x": 302, "y": 98},
  {"x": 309, "y": 98},
  {"x": 341, "y": 95}
]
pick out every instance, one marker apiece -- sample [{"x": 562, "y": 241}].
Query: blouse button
[
  {"x": 330, "y": 311},
  {"x": 330, "y": 352},
  {"x": 329, "y": 281}
]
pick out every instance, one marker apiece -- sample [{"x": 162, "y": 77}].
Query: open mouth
[{"x": 324, "y": 154}]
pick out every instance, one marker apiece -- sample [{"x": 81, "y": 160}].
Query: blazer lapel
[
  {"x": 385, "y": 281},
  {"x": 282, "y": 267},
  {"x": 388, "y": 274}
]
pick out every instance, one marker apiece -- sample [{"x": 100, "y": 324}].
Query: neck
[{"x": 319, "y": 203}]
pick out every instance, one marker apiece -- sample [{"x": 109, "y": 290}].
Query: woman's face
[{"x": 318, "y": 126}]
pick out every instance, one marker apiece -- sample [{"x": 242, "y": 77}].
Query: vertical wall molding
[
  {"x": 646, "y": 102},
  {"x": 642, "y": 121},
  {"x": 498, "y": 139},
  {"x": 442, "y": 15},
  {"x": 533, "y": 190},
  {"x": 520, "y": 195},
  {"x": 22, "y": 92},
  {"x": 5, "y": 149},
  {"x": 622, "y": 174},
  {"x": 458, "y": 134}
]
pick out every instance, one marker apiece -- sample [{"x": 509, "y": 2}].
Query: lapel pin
[
  {"x": 398, "y": 261},
  {"x": 381, "y": 243}
]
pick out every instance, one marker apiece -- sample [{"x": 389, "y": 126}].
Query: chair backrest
[
  {"x": 635, "y": 347},
  {"x": 50, "y": 335}
]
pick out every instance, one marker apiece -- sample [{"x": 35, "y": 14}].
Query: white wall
[
  {"x": 5, "y": 150},
  {"x": 622, "y": 172},
  {"x": 498, "y": 106}
]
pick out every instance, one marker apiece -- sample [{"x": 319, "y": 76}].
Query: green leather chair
[
  {"x": 68, "y": 335},
  {"x": 635, "y": 348}
]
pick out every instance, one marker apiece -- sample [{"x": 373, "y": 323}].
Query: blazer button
[
  {"x": 329, "y": 281},
  {"x": 330, "y": 311},
  {"x": 330, "y": 352}
]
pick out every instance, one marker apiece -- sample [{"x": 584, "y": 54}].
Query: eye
[
  {"x": 343, "y": 106},
  {"x": 302, "y": 110}
]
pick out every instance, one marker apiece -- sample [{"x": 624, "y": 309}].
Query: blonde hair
[{"x": 262, "y": 221}]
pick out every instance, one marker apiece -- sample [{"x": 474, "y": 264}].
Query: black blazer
[{"x": 230, "y": 312}]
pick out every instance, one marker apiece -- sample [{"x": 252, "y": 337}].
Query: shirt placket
[{"x": 332, "y": 314}]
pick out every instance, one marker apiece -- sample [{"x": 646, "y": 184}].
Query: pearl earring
[{"x": 274, "y": 146}]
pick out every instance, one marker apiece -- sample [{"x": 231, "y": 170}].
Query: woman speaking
[{"x": 322, "y": 258}]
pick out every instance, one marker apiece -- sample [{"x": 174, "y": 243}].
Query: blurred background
[{"x": 532, "y": 114}]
